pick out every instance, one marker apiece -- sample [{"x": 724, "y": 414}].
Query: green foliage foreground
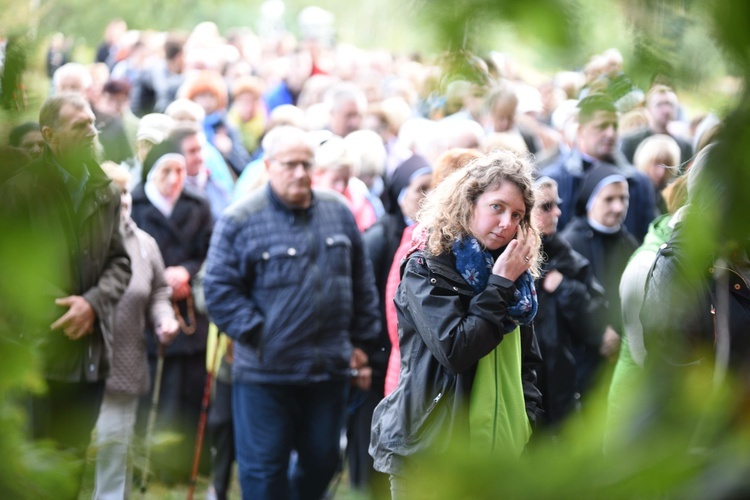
[
  {"x": 681, "y": 438},
  {"x": 685, "y": 438}
]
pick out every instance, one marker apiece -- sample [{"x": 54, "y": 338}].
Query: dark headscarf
[
  {"x": 593, "y": 182},
  {"x": 400, "y": 179},
  {"x": 159, "y": 150}
]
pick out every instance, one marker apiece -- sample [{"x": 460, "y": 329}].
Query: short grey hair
[
  {"x": 285, "y": 135},
  {"x": 343, "y": 92},
  {"x": 72, "y": 69},
  {"x": 49, "y": 114}
]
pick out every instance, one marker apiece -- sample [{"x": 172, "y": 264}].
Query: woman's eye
[
  {"x": 516, "y": 216},
  {"x": 495, "y": 206}
]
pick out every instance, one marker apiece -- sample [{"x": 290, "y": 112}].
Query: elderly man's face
[
  {"x": 71, "y": 83},
  {"x": 663, "y": 107},
  {"x": 192, "y": 150},
  {"x": 598, "y": 137},
  {"x": 345, "y": 119},
  {"x": 75, "y": 135},
  {"x": 289, "y": 172}
]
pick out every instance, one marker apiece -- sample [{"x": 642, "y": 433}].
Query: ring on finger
[{"x": 527, "y": 258}]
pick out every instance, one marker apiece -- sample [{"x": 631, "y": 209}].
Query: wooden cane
[{"x": 203, "y": 417}]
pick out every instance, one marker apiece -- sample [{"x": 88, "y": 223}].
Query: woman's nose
[{"x": 504, "y": 220}]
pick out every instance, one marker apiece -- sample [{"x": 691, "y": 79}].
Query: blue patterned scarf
[{"x": 475, "y": 265}]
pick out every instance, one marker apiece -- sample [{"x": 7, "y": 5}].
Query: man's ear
[
  {"x": 48, "y": 133},
  {"x": 267, "y": 163}
]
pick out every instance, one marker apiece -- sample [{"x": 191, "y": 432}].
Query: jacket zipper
[{"x": 435, "y": 401}]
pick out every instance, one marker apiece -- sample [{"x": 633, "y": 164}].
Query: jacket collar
[
  {"x": 97, "y": 177},
  {"x": 281, "y": 206}
]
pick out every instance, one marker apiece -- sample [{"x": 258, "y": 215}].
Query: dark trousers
[
  {"x": 66, "y": 414},
  {"x": 221, "y": 432},
  {"x": 272, "y": 420},
  {"x": 362, "y": 476}
]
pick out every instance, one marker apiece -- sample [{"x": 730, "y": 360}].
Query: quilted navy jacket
[{"x": 294, "y": 288}]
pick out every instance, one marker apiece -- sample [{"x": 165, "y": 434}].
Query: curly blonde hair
[{"x": 447, "y": 211}]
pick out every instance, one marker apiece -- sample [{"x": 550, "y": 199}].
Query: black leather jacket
[{"x": 444, "y": 329}]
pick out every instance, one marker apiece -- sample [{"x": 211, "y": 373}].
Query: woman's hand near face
[{"x": 516, "y": 258}]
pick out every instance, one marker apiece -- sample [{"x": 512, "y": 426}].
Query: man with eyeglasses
[{"x": 288, "y": 280}]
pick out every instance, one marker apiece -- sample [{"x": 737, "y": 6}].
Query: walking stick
[
  {"x": 152, "y": 417},
  {"x": 202, "y": 421}
]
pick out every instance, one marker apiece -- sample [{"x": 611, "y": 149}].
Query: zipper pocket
[{"x": 434, "y": 403}]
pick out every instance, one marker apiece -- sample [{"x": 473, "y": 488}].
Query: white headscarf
[{"x": 164, "y": 204}]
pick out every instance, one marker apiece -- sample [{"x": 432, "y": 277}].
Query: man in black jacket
[{"x": 64, "y": 267}]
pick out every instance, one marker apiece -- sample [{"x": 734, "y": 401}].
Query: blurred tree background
[{"x": 701, "y": 47}]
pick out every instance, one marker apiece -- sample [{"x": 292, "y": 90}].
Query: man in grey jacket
[
  {"x": 64, "y": 267},
  {"x": 288, "y": 279}
]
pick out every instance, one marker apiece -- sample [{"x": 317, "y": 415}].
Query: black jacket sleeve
[{"x": 531, "y": 361}]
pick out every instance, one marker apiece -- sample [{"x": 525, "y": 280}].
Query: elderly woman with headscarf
[
  {"x": 180, "y": 221},
  {"x": 597, "y": 232}
]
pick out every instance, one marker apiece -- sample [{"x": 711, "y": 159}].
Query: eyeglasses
[
  {"x": 547, "y": 206},
  {"x": 291, "y": 165}
]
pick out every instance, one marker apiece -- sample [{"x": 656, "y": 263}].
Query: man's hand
[
  {"x": 358, "y": 359},
  {"x": 178, "y": 278},
  {"x": 78, "y": 320},
  {"x": 363, "y": 380},
  {"x": 358, "y": 365},
  {"x": 167, "y": 330}
]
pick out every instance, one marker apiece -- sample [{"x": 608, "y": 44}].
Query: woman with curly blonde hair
[
  {"x": 448, "y": 212},
  {"x": 465, "y": 306}
]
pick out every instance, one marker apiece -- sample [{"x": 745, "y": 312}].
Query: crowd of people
[{"x": 350, "y": 246}]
